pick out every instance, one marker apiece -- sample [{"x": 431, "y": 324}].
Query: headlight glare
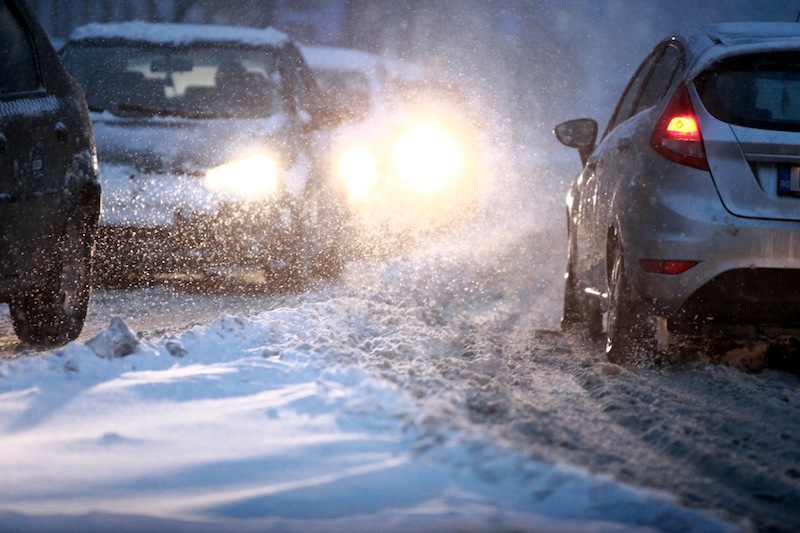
[
  {"x": 255, "y": 176},
  {"x": 358, "y": 167},
  {"x": 428, "y": 157}
]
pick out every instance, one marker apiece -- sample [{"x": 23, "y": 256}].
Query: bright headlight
[
  {"x": 254, "y": 176},
  {"x": 358, "y": 167},
  {"x": 428, "y": 157}
]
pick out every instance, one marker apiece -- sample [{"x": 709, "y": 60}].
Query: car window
[
  {"x": 201, "y": 82},
  {"x": 627, "y": 102},
  {"x": 349, "y": 90},
  {"x": 756, "y": 90},
  {"x": 660, "y": 78},
  {"x": 18, "y": 70},
  {"x": 304, "y": 94}
]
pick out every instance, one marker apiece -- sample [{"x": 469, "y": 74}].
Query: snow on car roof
[
  {"x": 709, "y": 43},
  {"x": 180, "y": 34},
  {"x": 337, "y": 58},
  {"x": 746, "y": 33},
  {"x": 759, "y": 34},
  {"x": 333, "y": 58}
]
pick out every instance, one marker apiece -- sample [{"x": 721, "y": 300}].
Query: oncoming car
[
  {"x": 49, "y": 190},
  {"x": 204, "y": 137},
  {"x": 686, "y": 216},
  {"x": 409, "y": 155}
]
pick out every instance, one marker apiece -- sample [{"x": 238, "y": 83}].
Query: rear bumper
[
  {"x": 751, "y": 296},
  {"x": 748, "y": 270}
]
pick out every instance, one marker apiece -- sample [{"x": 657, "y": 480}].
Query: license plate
[{"x": 789, "y": 180}]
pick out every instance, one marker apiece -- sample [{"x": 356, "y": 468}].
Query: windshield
[
  {"x": 429, "y": 91},
  {"x": 195, "y": 82},
  {"x": 348, "y": 90},
  {"x": 757, "y": 91}
]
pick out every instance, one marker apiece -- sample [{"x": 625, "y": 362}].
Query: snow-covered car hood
[
  {"x": 188, "y": 146},
  {"x": 152, "y": 170}
]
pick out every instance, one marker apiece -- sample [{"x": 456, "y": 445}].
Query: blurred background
[{"x": 525, "y": 64}]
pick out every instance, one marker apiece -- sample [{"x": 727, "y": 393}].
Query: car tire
[
  {"x": 290, "y": 271},
  {"x": 54, "y": 312},
  {"x": 325, "y": 222},
  {"x": 329, "y": 263},
  {"x": 114, "y": 275},
  {"x": 580, "y": 314},
  {"x": 293, "y": 277},
  {"x": 628, "y": 333}
]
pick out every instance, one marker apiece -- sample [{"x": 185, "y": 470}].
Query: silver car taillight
[
  {"x": 669, "y": 267},
  {"x": 677, "y": 133}
]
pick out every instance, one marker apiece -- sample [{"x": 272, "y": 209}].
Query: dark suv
[{"x": 49, "y": 187}]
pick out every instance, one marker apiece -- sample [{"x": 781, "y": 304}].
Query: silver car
[
  {"x": 205, "y": 136},
  {"x": 686, "y": 216}
]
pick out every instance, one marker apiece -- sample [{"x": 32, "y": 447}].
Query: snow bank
[{"x": 274, "y": 422}]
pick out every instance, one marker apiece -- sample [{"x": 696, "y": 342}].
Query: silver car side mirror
[{"x": 580, "y": 133}]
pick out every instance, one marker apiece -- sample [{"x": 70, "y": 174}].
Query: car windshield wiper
[{"x": 154, "y": 111}]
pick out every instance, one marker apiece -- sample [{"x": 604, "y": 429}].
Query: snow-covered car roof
[
  {"x": 337, "y": 58},
  {"x": 180, "y": 34},
  {"x": 707, "y": 43},
  {"x": 732, "y": 34},
  {"x": 333, "y": 58}
]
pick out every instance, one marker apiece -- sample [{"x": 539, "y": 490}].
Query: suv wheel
[{"x": 54, "y": 313}]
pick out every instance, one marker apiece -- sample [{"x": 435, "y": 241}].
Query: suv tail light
[{"x": 677, "y": 134}]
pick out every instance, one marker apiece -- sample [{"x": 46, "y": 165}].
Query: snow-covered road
[{"x": 429, "y": 392}]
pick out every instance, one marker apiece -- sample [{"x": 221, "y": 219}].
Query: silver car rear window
[{"x": 756, "y": 90}]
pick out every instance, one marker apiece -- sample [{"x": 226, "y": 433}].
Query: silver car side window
[
  {"x": 627, "y": 103},
  {"x": 660, "y": 78}
]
